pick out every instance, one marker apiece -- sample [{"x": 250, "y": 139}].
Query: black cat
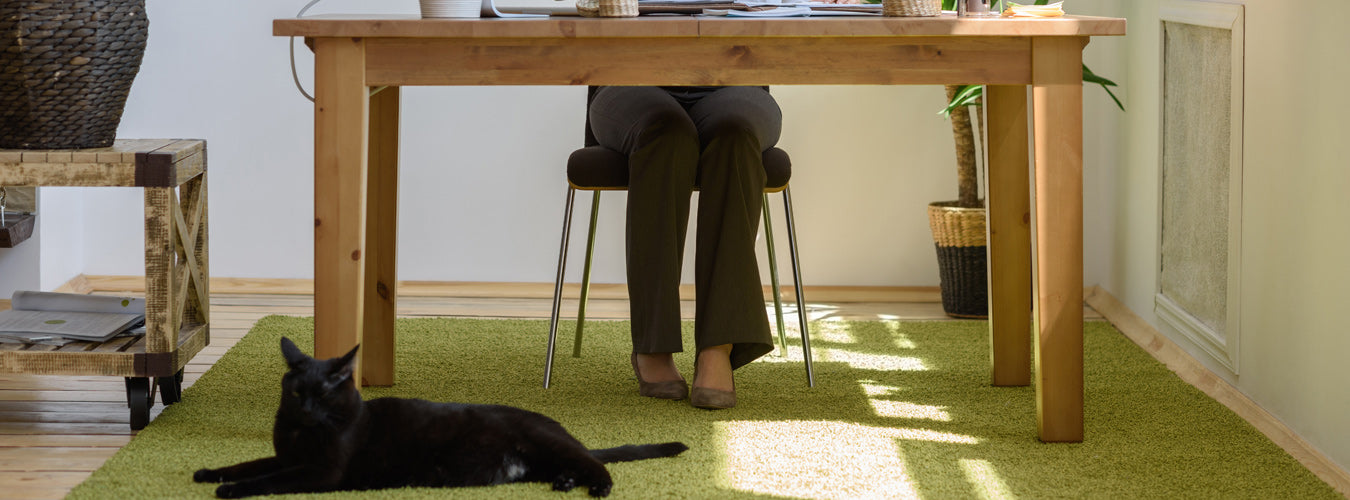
[{"x": 326, "y": 438}]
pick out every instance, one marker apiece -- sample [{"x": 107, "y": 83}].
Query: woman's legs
[{"x": 656, "y": 133}]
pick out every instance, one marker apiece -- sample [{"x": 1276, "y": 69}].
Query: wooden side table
[{"x": 173, "y": 175}]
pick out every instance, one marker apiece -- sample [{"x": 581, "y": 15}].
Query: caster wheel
[
  {"x": 171, "y": 388},
  {"x": 140, "y": 397}
]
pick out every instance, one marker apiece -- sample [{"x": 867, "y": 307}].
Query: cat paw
[
  {"x": 207, "y": 476},
  {"x": 564, "y": 483},
  {"x": 600, "y": 490}
]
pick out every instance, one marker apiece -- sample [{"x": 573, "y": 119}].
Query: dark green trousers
[{"x": 677, "y": 139}]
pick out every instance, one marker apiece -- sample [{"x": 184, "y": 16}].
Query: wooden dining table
[{"x": 1032, "y": 68}]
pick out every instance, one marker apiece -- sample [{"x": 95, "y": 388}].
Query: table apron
[{"x": 699, "y": 61}]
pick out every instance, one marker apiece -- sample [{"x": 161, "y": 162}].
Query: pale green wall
[{"x": 1295, "y": 278}]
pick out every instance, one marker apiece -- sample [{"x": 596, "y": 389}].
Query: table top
[
  {"x": 128, "y": 162},
  {"x": 121, "y": 151},
  {"x": 411, "y": 26}
]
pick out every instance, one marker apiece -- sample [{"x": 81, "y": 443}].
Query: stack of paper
[
  {"x": 790, "y": 8},
  {"x": 770, "y": 12},
  {"x": 61, "y": 318}
]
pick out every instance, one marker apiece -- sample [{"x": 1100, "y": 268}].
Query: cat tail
[{"x": 630, "y": 452}]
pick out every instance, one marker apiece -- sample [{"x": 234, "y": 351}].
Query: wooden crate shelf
[
  {"x": 121, "y": 356},
  {"x": 172, "y": 173}
]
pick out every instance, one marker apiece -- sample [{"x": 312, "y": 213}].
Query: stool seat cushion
[{"x": 598, "y": 167}]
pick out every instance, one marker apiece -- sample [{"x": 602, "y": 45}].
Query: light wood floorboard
[{"x": 56, "y": 430}]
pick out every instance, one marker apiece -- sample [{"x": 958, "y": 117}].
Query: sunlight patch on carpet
[
  {"x": 877, "y": 395},
  {"x": 867, "y": 361},
  {"x": 898, "y": 337},
  {"x": 815, "y": 463},
  {"x": 833, "y": 330}
]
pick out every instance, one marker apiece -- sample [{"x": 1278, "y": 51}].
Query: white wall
[
  {"x": 61, "y": 224},
  {"x": 17, "y": 271},
  {"x": 53, "y": 255},
  {"x": 482, "y": 182},
  {"x": 1295, "y": 276}
]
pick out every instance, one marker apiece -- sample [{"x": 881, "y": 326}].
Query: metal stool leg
[
  {"x": 557, "y": 285},
  {"x": 773, "y": 275},
  {"x": 586, "y": 274},
  {"x": 797, "y": 283}
]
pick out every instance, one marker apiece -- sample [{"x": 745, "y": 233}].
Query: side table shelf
[
  {"x": 173, "y": 175},
  {"x": 15, "y": 228}
]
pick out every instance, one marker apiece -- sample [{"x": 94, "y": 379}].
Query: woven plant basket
[
  {"x": 911, "y": 8},
  {"x": 66, "y": 67},
  {"x": 959, "y": 235}
]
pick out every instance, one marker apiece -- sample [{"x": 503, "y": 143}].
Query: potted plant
[
  {"x": 959, "y": 225},
  {"x": 67, "y": 69}
]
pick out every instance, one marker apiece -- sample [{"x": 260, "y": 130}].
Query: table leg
[
  {"x": 1057, "y": 96},
  {"x": 1009, "y": 235},
  {"x": 161, "y": 292},
  {"x": 341, "y": 110},
  {"x": 377, "y": 343}
]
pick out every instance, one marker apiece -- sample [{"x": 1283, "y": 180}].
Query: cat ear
[
  {"x": 292, "y": 353},
  {"x": 344, "y": 366}
]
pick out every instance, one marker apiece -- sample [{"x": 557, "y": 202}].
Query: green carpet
[{"x": 900, "y": 410}]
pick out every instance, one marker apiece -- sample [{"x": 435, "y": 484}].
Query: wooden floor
[{"x": 56, "y": 430}]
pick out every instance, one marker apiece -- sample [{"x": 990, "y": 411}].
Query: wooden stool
[{"x": 173, "y": 174}]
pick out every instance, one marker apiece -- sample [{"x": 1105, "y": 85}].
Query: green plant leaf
[
  {"x": 1090, "y": 77},
  {"x": 1113, "y": 97},
  {"x": 1098, "y": 80},
  {"x": 969, "y": 95}
]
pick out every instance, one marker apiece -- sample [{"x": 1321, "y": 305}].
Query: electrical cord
[{"x": 294, "y": 75}]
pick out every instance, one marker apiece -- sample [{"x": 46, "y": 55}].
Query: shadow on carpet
[{"x": 900, "y": 410}]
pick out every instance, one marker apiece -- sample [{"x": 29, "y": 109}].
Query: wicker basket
[
  {"x": 588, "y": 8},
  {"x": 618, "y": 8},
  {"x": 911, "y": 8},
  {"x": 607, "y": 8},
  {"x": 959, "y": 235},
  {"x": 65, "y": 70}
]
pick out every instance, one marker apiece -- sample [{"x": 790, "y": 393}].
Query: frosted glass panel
[{"x": 1197, "y": 103}]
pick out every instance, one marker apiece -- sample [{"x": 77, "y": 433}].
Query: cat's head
[{"x": 318, "y": 392}]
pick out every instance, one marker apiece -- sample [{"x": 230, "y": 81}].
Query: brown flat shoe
[{"x": 670, "y": 389}]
